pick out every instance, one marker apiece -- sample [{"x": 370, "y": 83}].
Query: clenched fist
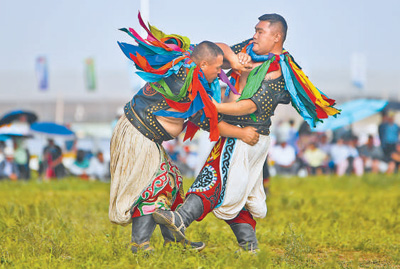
[{"x": 250, "y": 135}]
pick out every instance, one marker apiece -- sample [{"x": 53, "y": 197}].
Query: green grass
[{"x": 325, "y": 222}]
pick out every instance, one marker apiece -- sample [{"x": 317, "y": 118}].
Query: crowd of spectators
[
  {"x": 299, "y": 151},
  {"x": 295, "y": 151},
  {"x": 302, "y": 152},
  {"x": 15, "y": 163}
]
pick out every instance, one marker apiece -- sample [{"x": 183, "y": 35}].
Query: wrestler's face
[
  {"x": 265, "y": 38},
  {"x": 212, "y": 68}
]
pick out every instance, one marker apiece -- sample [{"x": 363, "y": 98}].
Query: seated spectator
[
  {"x": 98, "y": 168},
  {"x": 80, "y": 166},
  {"x": 315, "y": 159},
  {"x": 324, "y": 144},
  {"x": 284, "y": 158},
  {"x": 394, "y": 163},
  {"x": 354, "y": 160},
  {"x": 8, "y": 167},
  {"x": 346, "y": 156},
  {"x": 22, "y": 158},
  {"x": 339, "y": 154},
  {"x": 371, "y": 155}
]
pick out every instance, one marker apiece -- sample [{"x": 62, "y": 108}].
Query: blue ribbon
[
  {"x": 214, "y": 90},
  {"x": 289, "y": 85},
  {"x": 156, "y": 60},
  {"x": 196, "y": 105},
  {"x": 255, "y": 57}
]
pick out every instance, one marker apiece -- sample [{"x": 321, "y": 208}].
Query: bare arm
[
  {"x": 248, "y": 134},
  {"x": 240, "y": 61},
  {"x": 242, "y": 107},
  {"x": 229, "y": 56}
]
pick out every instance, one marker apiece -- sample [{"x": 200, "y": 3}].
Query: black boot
[
  {"x": 169, "y": 238},
  {"x": 142, "y": 229},
  {"x": 167, "y": 235},
  {"x": 178, "y": 221},
  {"x": 245, "y": 235}
]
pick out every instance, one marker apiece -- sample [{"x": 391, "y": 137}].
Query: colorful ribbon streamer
[
  {"x": 309, "y": 101},
  {"x": 160, "y": 56}
]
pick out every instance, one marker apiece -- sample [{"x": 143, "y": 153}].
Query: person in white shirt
[
  {"x": 8, "y": 167},
  {"x": 98, "y": 167},
  {"x": 284, "y": 157},
  {"x": 341, "y": 153}
]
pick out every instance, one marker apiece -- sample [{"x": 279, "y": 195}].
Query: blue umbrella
[
  {"x": 16, "y": 114},
  {"x": 352, "y": 111},
  {"x": 50, "y": 128},
  {"x": 3, "y": 137}
]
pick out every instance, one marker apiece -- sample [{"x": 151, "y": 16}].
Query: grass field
[{"x": 311, "y": 222}]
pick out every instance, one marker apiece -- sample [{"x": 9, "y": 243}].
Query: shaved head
[
  {"x": 206, "y": 51},
  {"x": 276, "y": 21}
]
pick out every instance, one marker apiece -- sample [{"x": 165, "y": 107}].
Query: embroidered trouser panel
[
  {"x": 164, "y": 192},
  {"x": 142, "y": 175},
  {"x": 231, "y": 179}
]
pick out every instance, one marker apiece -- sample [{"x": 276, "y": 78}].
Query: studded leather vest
[
  {"x": 270, "y": 94},
  {"x": 140, "y": 109}
]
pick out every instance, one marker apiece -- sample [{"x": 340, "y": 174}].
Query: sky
[{"x": 322, "y": 35}]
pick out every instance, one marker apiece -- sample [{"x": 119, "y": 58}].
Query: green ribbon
[
  {"x": 166, "y": 91},
  {"x": 255, "y": 79}
]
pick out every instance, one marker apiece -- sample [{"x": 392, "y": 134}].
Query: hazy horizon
[{"x": 322, "y": 36}]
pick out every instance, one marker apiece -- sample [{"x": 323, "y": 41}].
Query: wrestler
[
  {"x": 230, "y": 183},
  {"x": 143, "y": 178}
]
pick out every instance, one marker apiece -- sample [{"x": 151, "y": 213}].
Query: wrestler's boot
[
  {"x": 169, "y": 238},
  {"x": 177, "y": 221},
  {"x": 245, "y": 235},
  {"x": 142, "y": 229}
]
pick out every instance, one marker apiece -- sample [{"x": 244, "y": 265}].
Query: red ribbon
[
  {"x": 191, "y": 130},
  {"x": 209, "y": 108}
]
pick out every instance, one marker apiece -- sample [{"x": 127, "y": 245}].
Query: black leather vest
[
  {"x": 140, "y": 109},
  {"x": 269, "y": 95}
]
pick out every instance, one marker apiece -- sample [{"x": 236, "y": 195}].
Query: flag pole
[
  {"x": 59, "y": 117},
  {"x": 145, "y": 13}
]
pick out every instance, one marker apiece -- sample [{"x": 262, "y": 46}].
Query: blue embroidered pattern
[
  {"x": 225, "y": 162},
  {"x": 205, "y": 180}
]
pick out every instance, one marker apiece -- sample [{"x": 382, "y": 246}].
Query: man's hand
[
  {"x": 241, "y": 62},
  {"x": 245, "y": 60},
  {"x": 250, "y": 135}
]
